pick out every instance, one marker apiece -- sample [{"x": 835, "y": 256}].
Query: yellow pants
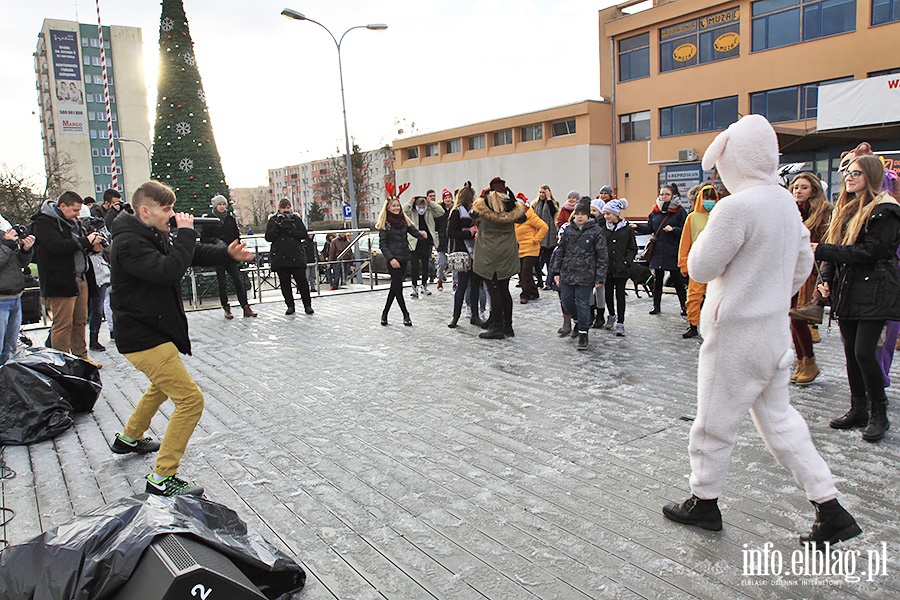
[
  {"x": 695, "y": 293},
  {"x": 168, "y": 379}
]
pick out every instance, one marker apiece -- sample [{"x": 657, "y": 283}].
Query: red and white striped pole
[{"x": 109, "y": 122}]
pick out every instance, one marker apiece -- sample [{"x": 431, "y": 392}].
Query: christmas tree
[{"x": 184, "y": 149}]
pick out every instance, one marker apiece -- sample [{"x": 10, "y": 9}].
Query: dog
[{"x": 641, "y": 275}]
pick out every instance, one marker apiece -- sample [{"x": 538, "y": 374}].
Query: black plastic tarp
[
  {"x": 39, "y": 390},
  {"x": 91, "y": 556}
]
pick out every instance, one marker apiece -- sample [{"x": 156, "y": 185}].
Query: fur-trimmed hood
[{"x": 513, "y": 212}]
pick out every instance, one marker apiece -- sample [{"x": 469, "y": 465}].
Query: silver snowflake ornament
[
  {"x": 182, "y": 128},
  {"x": 186, "y": 164},
  {"x": 188, "y": 59},
  {"x": 167, "y": 24},
  {"x": 201, "y": 95}
]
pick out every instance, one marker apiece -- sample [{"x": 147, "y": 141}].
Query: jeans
[
  {"x": 234, "y": 271},
  {"x": 337, "y": 273},
  {"x": 10, "y": 323},
  {"x": 97, "y": 307},
  {"x": 576, "y": 301},
  {"x": 284, "y": 280},
  {"x": 168, "y": 379},
  {"x": 466, "y": 281},
  {"x": 441, "y": 273}
]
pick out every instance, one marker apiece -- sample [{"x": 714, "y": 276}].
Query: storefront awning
[{"x": 791, "y": 141}]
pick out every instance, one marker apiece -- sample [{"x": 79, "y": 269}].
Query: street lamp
[
  {"x": 293, "y": 14},
  {"x": 146, "y": 149}
]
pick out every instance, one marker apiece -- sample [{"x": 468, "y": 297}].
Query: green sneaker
[
  {"x": 144, "y": 446},
  {"x": 172, "y": 486}
]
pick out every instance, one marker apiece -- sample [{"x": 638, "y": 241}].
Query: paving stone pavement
[{"x": 422, "y": 462}]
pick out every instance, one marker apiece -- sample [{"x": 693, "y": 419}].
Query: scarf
[
  {"x": 397, "y": 220},
  {"x": 569, "y": 205}
]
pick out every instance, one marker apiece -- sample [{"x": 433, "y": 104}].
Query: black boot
[
  {"x": 494, "y": 332},
  {"x": 857, "y": 416},
  {"x": 833, "y": 524},
  {"x": 690, "y": 333},
  {"x": 878, "y": 421},
  {"x": 95, "y": 344},
  {"x": 694, "y": 511},
  {"x": 599, "y": 320},
  {"x": 453, "y": 322},
  {"x": 582, "y": 341},
  {"x": 508, "y": 330},
  {"x": 566, "y": 328}
]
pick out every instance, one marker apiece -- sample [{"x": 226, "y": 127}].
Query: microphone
[{"x": 197, "y": 221}]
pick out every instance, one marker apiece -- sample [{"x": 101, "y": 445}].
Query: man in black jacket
[
  {"x": 151, "y": 328},
  {"x": 289, "y": 238},
  {"x": 226, "y": 231},
  {"x": 66, "y": 276}
]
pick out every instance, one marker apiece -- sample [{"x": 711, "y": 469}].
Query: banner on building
[
  {"x": 871, "y": 101},
  {"x": 71, "y": 114}
]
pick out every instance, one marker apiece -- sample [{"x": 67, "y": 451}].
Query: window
[
  {"x": 477, "y": 142},
  {"x": 635, "y": 126},
  {"x": 453, "y": 146},
  {"x": 92, "y": 116},
  {"x": 634, "y": 57},
  {"x": 783, "y": 22},
  {"x": 84, "y": 42},
  {"x": 98, "y": 189},
  {"x": 710, "y": 115},
  {"x": 86, "y": 59},
  {"x": 531, "y": 133},
  {"x": 412, "y": 153},
  {"x": 566, "y": 127},
  {"x": 698, "y": 41},
  {"x": 503, "y": 138},
  {"x": 790, "y": 103},
  {"x": 95, "y": 152},
  {"x": 95, "y": 61},
  {"x": 885, "y": 72},
  {"x": 95, "y": 42},
  {"x": 96, "y": 170},
  {"x": 93, "y": 134},
  {"x": 98, "y": 79},
  {"x": 431, "y": 150},
  {"x": 885, "y": 11}
]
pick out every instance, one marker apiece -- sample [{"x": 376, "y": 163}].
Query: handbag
[
  {"x": 459, "y": 262},
  {"x": 648, "y": 249}
]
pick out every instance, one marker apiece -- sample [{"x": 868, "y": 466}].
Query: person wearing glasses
[{"x": 864, "y": 286}]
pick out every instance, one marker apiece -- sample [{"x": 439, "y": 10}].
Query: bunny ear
[
  {"x": 715, "y": 150},
  {"x": 403, "y": 188}
]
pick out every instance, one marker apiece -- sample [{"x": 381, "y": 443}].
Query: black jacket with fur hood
[{"x": 496, "y": 247}]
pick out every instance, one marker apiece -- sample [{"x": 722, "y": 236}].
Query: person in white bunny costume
[{"x": 754, "y": 253}]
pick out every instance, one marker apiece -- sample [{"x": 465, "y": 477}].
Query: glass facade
[
  {"x": 709, "y": 115},
  {"x": 779, "y": 23},
  {"x": 698, "y": 41},
  {"x": 634, "y": 57}
]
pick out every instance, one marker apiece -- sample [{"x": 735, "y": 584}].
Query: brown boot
[
  {"x": 796, "y": 370},
  {"x": 814, "y": 332},
  {"x": 811, "y": 313},
  {"x": 227, "y": 310},
  {"x": 93, "y": 363},
  {"x": 809, "y": 370},
  {"x": 248, "y": 312}
]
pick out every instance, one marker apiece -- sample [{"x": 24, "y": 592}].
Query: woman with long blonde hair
[
  {"x": 864, "y": 285},
  {"x": 816, "y": 213},
  {"x": 393, "y": 225}
]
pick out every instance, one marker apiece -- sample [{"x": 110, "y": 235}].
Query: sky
[{"x": 272, "y": 83}]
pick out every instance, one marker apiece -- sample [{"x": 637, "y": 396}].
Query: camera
[
  {"x": 284, "y": 219},
  {"x": 121, "y": 205},
  {"x": 96, "y": 225}
]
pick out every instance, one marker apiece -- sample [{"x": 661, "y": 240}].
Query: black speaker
[{"x": 175, "y": 567}]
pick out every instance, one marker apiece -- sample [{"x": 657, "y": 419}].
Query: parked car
[{"x": 259, "y": 246}]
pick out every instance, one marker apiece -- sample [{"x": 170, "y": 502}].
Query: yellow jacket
[
  {"x": 530, "y": 233},
  {"x": 693, "y": 225}
]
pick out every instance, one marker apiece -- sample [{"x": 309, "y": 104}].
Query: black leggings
[
  {"x": 863, "y": 371},
  {"x": 501, "y": 302},
  {"x": 396, "y": 291},
  {"x": 420, "y": 258},
  {"x": 659, "y": 278},
  {"x": 616, "y": 285}
]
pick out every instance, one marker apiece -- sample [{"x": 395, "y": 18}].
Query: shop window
[
  {"x": 635, "y": 126},
  {"x": 634, "y": 57}
]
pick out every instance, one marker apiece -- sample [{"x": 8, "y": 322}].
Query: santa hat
[{"x": 522, "y": 198}]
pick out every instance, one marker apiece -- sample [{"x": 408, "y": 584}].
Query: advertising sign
[
  {"x": 70, "y": 107},
  {"x": 871, "y": 101}
]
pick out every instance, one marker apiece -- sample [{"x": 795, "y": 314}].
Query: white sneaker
[
  {"x": 414, "y": 293},
  {"x": 610, "y": 322},
  {"x": 425, "y": 290},
  {"x": 482, "y": 316},
  {"x": 468, "y": 312}
]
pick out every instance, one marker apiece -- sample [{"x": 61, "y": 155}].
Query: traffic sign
[{"x": 348, "y": 211}]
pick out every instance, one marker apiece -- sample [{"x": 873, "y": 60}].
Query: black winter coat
[
  {"x": 394, "y": 243},
  {"x": 227, "y": 230},
  {"x": 458, "y": 231},
  {"x": 581, "y": 256},
  {"x": 622, "y": 247},
  {"x": 146, "y": 269},
  {"x": 54, "y": 252},
  {"x": 665, "y": 250},
  {"x": 441, "y": 225},
  {"x": 863, "y": 278},
  {"x": 289, "y": 241}
]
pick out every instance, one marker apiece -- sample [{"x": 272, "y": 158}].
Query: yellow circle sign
[
  {"x": 684, "y": 52},
  {"x": 727, "y": 41}
]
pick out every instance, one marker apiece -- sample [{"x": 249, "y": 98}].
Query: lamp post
[
  {"x": 293, "y": 14},
  {"x": 146, "y": 149}
]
